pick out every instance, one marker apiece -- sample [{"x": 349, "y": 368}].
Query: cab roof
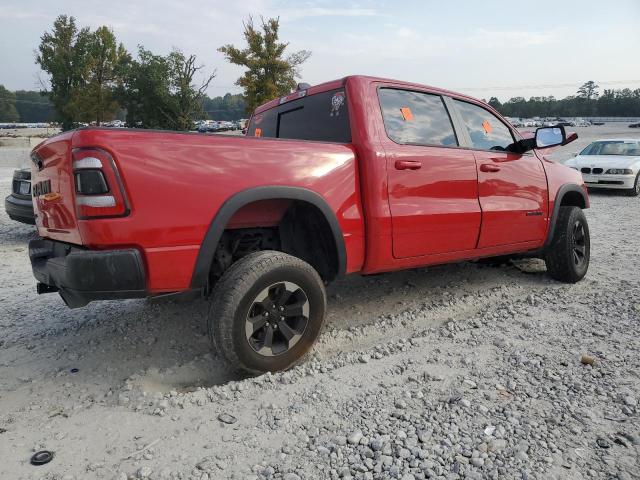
[{"x": 334, "y": 84}]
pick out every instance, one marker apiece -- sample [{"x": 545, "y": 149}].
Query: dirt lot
[{"x": 459, "y": 371}]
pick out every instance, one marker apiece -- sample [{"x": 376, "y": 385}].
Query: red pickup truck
[{"x": 358, "y": 175}]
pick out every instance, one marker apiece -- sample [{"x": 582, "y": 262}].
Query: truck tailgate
[{"x": 53, "y": 190}]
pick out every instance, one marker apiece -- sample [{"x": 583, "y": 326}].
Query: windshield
[{"x": 613, "y": 147}]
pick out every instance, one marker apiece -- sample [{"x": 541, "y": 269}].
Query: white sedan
[{"x": 610, "y": 163}]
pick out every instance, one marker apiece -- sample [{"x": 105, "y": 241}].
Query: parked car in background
[
  {"x": 610, "y": 163},
  {"x": 19, "y": 205},
  {"x": 357, "y": 175},
  {"x": 209, "y": 126},
  {"x": 634, "y": 125},
  {"x": 580, "y": 122},
  {"x": 115, "y": 124}
]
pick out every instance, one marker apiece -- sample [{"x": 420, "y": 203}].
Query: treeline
[
  {"x": 92, "y": 78},
  {"x": 24, "y": 106},
  {"x": 586, "y": 103},
  {"x": 30, "y": 106}
]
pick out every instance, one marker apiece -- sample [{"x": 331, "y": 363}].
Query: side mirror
[{"x": 547, "y": 137}]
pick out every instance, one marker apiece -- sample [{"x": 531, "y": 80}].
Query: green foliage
[
  {"x": 269, "y": 73},
  {"x": 186, "y": 98},
  {"x": 158, "y": 92},
  {"x": 63, "y": 55},
  {"x": 612, "y": 103},
  {"x": 8, "y": 111},
  {"x": 495, "y": 103},
  {"x": 34, "y": 107},
  {"x": 588, "y": 90},
  {"x": 84, "y": 68},
  {"x": 229, "y": 107},
  {"x": 94, "y": 99}
]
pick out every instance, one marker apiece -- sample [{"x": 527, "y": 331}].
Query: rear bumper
[
  {"x": 81, "y": 276},
  {"x": 19, "y": 209}
]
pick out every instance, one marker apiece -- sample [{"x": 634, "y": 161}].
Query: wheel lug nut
[
  {"x": 281, "y": 318},
  {"x": 266, "y": 314},
  {"x": 282, "y": 309}
]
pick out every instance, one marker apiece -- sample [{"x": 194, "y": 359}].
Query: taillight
[{"x": 99, "y": 189}]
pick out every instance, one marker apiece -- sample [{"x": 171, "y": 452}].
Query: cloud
[
  {"x": 14, "y": 13},
  {"x": 404, "y": 32},
  {"x": 512, "y": 38},
  {"x": 329, "y": 12}
]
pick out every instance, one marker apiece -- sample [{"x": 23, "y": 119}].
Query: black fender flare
[
  {"x": 234, "y": 203},
  {"x": 562, "y": 191}
]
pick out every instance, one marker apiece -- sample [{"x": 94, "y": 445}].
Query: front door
[
  {"x": 512, "y": 186},
  {"x": 432, "y": 184}
]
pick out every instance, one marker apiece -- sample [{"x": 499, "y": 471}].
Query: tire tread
[
  {"x": 231, "y": 288},
  {"x": 558, "y": 258}
]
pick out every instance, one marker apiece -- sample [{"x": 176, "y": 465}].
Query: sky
[{"x": 480, "y": 47}]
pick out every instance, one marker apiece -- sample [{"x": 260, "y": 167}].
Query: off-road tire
[
  {"x": 635, "y": 191},
  {"x": 234, "y": 295},
  {"x": 561, "y": 256}
]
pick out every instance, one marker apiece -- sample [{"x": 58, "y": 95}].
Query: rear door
[
  {"x": 432, "y": 184},
  {"x": 512, "y": 186}
]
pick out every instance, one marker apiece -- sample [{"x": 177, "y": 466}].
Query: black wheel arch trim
[
  {"x": 562, "y": 191},
  {"x": 235, "y": 202}
]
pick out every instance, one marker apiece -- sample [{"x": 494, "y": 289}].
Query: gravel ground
[{"x": 457, "y": 371}]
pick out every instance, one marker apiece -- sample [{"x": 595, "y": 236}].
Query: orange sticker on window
[
  {"x": 487, "y": 127},
  {"x": 258, "y": 132},
  {"x": 407, "y": 114}
]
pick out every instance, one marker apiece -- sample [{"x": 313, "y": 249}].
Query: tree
[
  {"x": 229, "y": 107},
  {"x": 588, "y": 90},
  {"x": 95, "y": 99},
  {"x": 145, "y": 90},
  {"x": 8, "y": 111},
  {"x": 34, "y": 107},
  {"x": 495, "y": 103},
  {"x": 187, "y": 98},
  {"x": 269, "y": 73},
  {"x": 158, "y": 92},
  {"x": 63, "y": 56}
]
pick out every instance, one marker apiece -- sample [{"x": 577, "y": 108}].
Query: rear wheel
[
  {"x": 635, "y": 191},
  {"x": 267, "y": 311},
  {"x": 568, "y": 255}
]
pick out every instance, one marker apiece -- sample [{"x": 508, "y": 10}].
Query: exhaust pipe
[{"x": 44, "y": 288}]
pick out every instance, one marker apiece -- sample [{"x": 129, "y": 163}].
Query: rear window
[{"x": 322, "y": 117}]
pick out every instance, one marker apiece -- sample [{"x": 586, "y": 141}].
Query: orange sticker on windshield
[
  {"x": 487, "y": 126},
  {"x": 407, "y": 114},
  {"x": 258, "y": 132}
]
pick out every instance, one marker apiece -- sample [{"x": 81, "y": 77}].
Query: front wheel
[
  {"x": 267, "y": 311},
  {"x": 568, "y": 255}
]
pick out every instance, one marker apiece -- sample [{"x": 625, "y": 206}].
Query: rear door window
[
  {"x": 322, "y": 117},
  {"x": 416, "y": 118},
  {"x": 487, "y": 132}
]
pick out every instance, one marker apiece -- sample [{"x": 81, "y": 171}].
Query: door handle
[
  {"x": 408, "y": 165},
  {"x": 489, "y": 167}
]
